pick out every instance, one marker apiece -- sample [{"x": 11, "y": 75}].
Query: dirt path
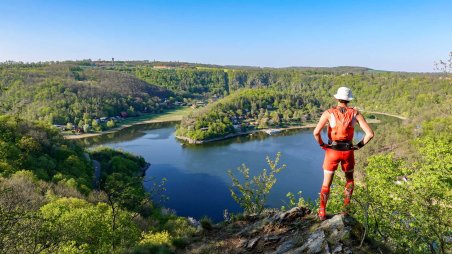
[{"x": 386, "y": 114}]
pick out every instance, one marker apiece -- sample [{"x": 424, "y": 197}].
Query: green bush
[
  {"x": 206, "y": 223},
  {"x": 89, "y": 226},
  {"x": 181, "y": 243},
  {"x": 155, "y": 239},
  {"x": 111, "y": 124},
  {"x": 252, "y": 193},
  {"x": 298, "y": 202}
]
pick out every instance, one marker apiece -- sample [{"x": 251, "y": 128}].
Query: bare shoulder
[{"x": 325, "y": 114}]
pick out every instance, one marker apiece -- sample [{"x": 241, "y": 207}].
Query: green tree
[
  {"x": 81, "y": 123},
  {"x": 275, "y": 118},
  {"x": 69, "y": 126},
  {"x": 95, "y": 125},
  {"x": 86, "y": 128},
  {"x": 87, "y": 227},
  {"x": 111, "y": 123},
  {"x": 288, "y": 115}
]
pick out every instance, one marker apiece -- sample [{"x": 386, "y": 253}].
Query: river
[{"x": 197, "y": 181}]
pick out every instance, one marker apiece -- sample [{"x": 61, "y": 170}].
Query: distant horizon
[
  {"x": 200, "y": 63},
  {"x": 381, "y": 35}
]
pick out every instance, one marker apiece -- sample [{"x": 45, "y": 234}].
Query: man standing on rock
[{"x": 340, "y": 149}]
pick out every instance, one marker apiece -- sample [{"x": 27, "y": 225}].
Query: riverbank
[
  {"x": 244, "y": 133},
  {"x": 170, "y": 116},
  {"x": 269, "y": 131}
]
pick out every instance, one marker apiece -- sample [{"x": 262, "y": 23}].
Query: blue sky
[{"x": 389, "y": 35}]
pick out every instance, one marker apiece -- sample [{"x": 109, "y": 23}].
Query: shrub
[
  {"x": 252, "y": 194},
  {"x": 298, "y": 202},
  {"x": 180, "y": 243},
  {"x": 111, "y": 124},
  {"x": 156, "y": 239},
  {"x": 206, "y": 223}
]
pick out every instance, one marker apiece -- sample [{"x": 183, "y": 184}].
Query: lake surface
[{"x": 197, "y": 181}]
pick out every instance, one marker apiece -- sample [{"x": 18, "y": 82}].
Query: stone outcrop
[{"x": 294, "y": 231}]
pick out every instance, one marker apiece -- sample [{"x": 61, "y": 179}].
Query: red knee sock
[
  {"x": 348, "y": 191},
  {"x": 324, "y": 193}
]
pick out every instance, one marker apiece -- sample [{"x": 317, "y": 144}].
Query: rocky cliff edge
[{"x": 293, "y": 231}]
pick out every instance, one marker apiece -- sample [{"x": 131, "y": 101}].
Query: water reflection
[{"x": 128, "y": 134}]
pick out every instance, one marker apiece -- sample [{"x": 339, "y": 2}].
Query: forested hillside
[
  {"x": 69, "y": 92},
  {"x": 198, "y": 81},
  {"x": 248, "y": 109},
  {"x": 40, "y": 149}
]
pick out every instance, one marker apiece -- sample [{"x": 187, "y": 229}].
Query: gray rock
[
  {"x": 337, "y": 249},
  {"x": 292, "y": 214},
  {"x": 253, "y": 242},
  {"x": 275, "y": 217},
  {"x": 347, "y": 251},
  {"x": 256, "y": 227},
  {"x": 335, "y": 222},
  {"x": 272, "y": 238},
  {"x": 316, "y": 243},
  {"x": 341, "y": 228},
  {"x": 242, "y": 243},
  {"x": 335, "y": 228},
  {"x": 193, "y": 222},
  {"x": 284, "y": 247}
]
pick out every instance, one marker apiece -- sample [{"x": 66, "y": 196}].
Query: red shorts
[{"x": 334, "y": 157}]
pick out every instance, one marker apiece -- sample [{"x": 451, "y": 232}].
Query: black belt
[{"x": 342, "y": 145}]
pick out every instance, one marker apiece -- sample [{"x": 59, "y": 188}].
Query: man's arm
[
  {"x": 366, "y": 128},
  {"x": 323, "y": 120}
]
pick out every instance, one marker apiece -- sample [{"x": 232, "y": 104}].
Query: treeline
[
  {"x": 48, "y": 204},
  {"x": 67, "y": 93},
  {"x": 207, "y": 82}
]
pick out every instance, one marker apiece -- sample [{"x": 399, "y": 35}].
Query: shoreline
[
  {"x": 267, "y": 130},
  {"x": 232, "y": 135},
  {"x": 178, "y": 118},
  {"x": 116, "y": 129},
  {"x": 161, "y": 118}
]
